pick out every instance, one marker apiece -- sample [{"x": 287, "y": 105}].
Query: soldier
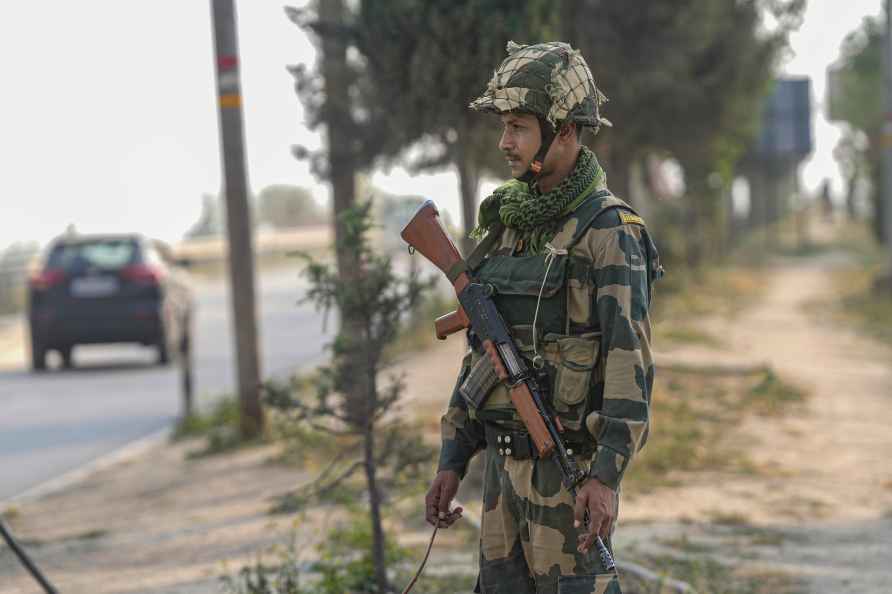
[{"x": 571, "y": 268}]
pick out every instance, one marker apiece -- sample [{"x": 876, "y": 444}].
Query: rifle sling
[{"x": 485, "y": 246}]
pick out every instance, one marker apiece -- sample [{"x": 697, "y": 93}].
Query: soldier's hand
[
  {"x": 599, "y": 501},
  {"x": 439, "y": 496}
]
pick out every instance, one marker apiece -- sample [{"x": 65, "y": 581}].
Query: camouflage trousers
[{"x": 527, "y": 539}]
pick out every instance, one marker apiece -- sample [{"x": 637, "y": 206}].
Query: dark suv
[{"x": 104, "y": 289}]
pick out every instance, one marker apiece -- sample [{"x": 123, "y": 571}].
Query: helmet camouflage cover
[{"x": 549, "y": 80}]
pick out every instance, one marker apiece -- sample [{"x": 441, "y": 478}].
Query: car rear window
[{"x": 108, "y": 254}]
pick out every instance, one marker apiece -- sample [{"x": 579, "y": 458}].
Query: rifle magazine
[{"x": 480, "y": 382}]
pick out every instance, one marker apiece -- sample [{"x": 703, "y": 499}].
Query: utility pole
[{"x": 238, "y": 217}]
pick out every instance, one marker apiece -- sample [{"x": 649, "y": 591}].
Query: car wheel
[
  {"x": 66, "y": 354},
  {"x": 38, "y": 356}
]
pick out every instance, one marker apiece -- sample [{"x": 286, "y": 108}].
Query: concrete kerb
[{"x": 130, "y": 451}]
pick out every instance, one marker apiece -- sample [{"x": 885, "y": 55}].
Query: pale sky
[{"x": 108, "y": 118}]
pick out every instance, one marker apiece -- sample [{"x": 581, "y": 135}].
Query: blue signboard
[{"x": 786, "y": 131}]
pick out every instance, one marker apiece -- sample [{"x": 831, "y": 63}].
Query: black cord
[{"x": 26, "y": 561}]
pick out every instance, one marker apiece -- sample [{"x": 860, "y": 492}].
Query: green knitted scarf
[{"x": 528, "y": 210}]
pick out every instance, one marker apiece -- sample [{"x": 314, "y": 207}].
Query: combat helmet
[{"x": 550, "y": 81}]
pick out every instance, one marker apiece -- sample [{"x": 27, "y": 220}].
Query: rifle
[{"x": 426, "y": 235}]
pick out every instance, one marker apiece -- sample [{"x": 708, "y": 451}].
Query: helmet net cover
[{"x": 549, "y": 80}]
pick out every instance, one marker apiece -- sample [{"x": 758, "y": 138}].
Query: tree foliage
[
  {"x": 287, "y": 207},
  {"x": 685, "y": 79},
  {"x": 860, "y": 104},
  {"x": 348, "y": 402},
  {"x": 416, "y": 65}
]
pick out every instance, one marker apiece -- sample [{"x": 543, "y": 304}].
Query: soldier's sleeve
[
  {"x": 462, "y": 436},
  {"x": 622, "y": 299}
]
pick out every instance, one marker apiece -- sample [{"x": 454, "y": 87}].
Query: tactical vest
[{"x": 555, "y": 289}]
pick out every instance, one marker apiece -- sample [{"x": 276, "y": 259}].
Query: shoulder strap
[
  {"x": 590, "y": 210},
  {"x": 485, "y": 246}
]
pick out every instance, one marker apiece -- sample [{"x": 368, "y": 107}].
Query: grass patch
[
  {"x": 301, "y": 499},
  {"x": 225, "y": 413},
  {"x": 219, "y": 427},
  {"x": 718, "y": 291},
  {"x": 417, "y": 332},
  {"x": 691, "y": 415},
  {"x": 91, "y": 535},
  {"x": 684, "y": 544},
  {"x": 732, "y": 519},
  {"x": 858, "y": 303},
  {"x": 687, "y": 335},
  {"x": 10, "y": 514},
  {"x": 708, "y": 576},
  {"x": 772, "y": 396},
  {"x": 340, "y": 562}
]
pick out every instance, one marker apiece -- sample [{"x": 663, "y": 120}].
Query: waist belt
[{"x": 519, "y": 445}]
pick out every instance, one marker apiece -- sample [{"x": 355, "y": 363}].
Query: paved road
[{"x": 51, "y": 423}]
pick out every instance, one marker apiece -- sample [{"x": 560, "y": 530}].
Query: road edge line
[{"x": 128, "y": 451}]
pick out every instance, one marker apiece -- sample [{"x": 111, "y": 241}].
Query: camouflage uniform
[{"x": 589, "y": 294}]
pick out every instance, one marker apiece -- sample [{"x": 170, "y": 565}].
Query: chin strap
[{"x": 548, "y": 133}]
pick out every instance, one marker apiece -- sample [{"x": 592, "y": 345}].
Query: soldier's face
[{"x": 520, "y": 140}]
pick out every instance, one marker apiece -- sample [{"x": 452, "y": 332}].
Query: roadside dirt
[
  {"x": 13, "y": 342},
  {"x": 816, "y": 505}
]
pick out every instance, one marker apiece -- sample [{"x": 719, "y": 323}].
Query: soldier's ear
[{"x": 568, "y": 131}]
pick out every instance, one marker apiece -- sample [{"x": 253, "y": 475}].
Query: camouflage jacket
[{"x": 611, "y": 266}]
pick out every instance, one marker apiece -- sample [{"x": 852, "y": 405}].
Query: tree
[
  {"x": 428, "y": 61},
  {"x": 360, "y": 130},
  {"x": 287, "y": 207},
  {"x": 210, "y": 222},
  {"x": 376, "y": 300},
  {"x": 860, "y": 104},
  {"x": 851, "y": 156},
  {"x": 685, "y": 79}
]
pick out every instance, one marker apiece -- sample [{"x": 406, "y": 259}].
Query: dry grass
[
  {"x": 711, "y": 577},
  {"x": 723, "y": 291},
  {"x": 692, "y": 413}
]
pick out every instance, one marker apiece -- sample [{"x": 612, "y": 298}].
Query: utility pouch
[{"x": 480, "y": 382}]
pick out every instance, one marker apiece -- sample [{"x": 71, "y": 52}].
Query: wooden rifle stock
[
  {"x": 425, "y": 233},
  {"x": 529, "y": 414},
  {"x": 451, "y": 323}
]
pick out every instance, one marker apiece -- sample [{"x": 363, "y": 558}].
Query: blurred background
[{"x": 751, "y": 135}]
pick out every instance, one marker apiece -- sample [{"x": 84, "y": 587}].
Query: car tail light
[
  {"x": 47, "y": 279},
  {"x": 142, "y": 274}
]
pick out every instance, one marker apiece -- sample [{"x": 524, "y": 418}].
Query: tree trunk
[
  {"x": 378, "y": 541},
  {"x": 342, "y": 170},
  {"x": 339, "y": 126},
  {"x": 879, "y": 204},
  {"x": 469, "y": 184},
  {"x": 851, "y": 188},
  {"x": 379, "y": 545},
  {"x": 359, "y": 389}
]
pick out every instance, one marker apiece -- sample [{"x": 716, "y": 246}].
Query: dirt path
[{"x": 819, "y": 504}]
